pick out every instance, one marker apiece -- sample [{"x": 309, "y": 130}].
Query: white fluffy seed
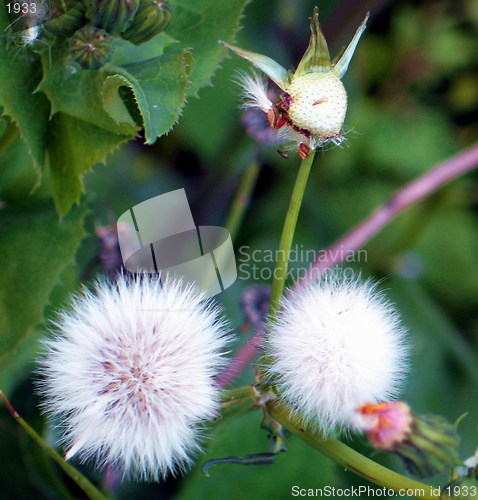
[
  {"x": 336, "y": 345},
  {"x": 130, "y": 374}
]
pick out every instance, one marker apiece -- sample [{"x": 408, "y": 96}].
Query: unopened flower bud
[
  {"x": 91, "y": 47},
  {"x": 65, "y": 25},
  {"x": 114, "y": 16},
  {"x": 427, "y": 444},
  {"x": 153, "y": 16}
]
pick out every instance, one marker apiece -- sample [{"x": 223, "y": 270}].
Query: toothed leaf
[
  {"x": 159, "y": 87},
  {"x": 198, "y": 26},
  {"x": 35, "y": 247},
  {"x": 18, "y": 82},
  {"x": 75, "y": 146}
]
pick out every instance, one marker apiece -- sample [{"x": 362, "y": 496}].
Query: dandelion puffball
[
  {"x": 336, "y": 344},
  {"x": 130, "y": 374}
]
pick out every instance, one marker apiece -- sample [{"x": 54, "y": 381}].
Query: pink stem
[
  {"x": 241, "y": 359},
  {"x": 412, "y": 193},
  {"x": 357, "y": 237}
]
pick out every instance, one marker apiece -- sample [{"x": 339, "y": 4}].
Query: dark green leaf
[
  {"x": 20, "y": 74},
  {"x": 74, "y": 146},
  {"x": 79, "y": 93},
  {"x": 159, "y": 86},
  {"x": 198, "y": 26},
  {"x": 35, "y": 248}
]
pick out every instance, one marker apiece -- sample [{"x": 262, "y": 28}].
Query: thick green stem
[
  {"x": 352, "y": 460},
  {"x": 280, "y": 273},
  {"x": 92, "y": 492}
]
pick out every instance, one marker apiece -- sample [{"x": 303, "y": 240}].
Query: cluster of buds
[
  {"x": 427, "y": 444},
  {"x": 91, "y": 26}
]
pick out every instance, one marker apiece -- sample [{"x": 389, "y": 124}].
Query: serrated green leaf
[
  {"x": 113, "y": 102},
  {"x": 19, "y": 77},
  {"x": 79, "y": 93},
  {"x": 35, "y": 247},
  {"x": 198, "y": 26},
  {"x": 159, "y": 86},
  {"x": 74, "y": 146}
]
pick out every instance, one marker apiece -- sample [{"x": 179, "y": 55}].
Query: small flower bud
[
  {"x": 91, "y": 47},
  {"x": 153, "y": 16},
  {"x": 114, "y": 16},
  {"x": 427, "y": 444},
  {"x": 65, "y": 25}
]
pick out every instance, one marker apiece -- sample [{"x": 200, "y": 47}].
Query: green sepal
[
  {"x": 343, "y": 62},
  {"x": 272, "y": 69},
  {"x": 316, "y": 57}
]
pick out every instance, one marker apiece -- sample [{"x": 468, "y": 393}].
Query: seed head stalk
[
  {"x": 351, "y": 459},
  {"x": 290, "y": 223}
]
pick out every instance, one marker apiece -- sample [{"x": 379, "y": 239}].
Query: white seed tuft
[
  {"x": 254, "y": 91},
  {"x": 337, "y": 344},
  {"x": 130, "y": 373}
]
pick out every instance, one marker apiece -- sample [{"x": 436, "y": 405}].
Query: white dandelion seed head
[
  {"x": 130, "y": 374},
  {"x": 337, "y": 344},
  {"x": 254, "y": 91}
]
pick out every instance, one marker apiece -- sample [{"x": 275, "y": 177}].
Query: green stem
[
  {"x": 241, "y": 200},
  {"x": 245, "y": 391},
  {"x": 8, "y": 136},
  {"x": 92, "y": 492},
  {"x": 280, "y": 273},
  {"x": 350, "y": 459}
]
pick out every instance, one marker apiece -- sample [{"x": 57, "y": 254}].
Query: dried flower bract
[{"x": 313, "y": 102}]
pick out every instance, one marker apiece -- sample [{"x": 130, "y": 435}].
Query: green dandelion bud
[
  {"x": 65, "y": 25},
  {"x": 91, "y": 47},
  {"x": 114, "y": 16},
  {"x": 153, "y": 17}
]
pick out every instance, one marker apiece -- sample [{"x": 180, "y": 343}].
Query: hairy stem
[
  {"x": 351, "y": 459},
  {"x": 88, "y": 487}
]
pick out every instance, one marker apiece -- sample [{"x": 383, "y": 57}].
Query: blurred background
[{"x": 413, "y": 102}]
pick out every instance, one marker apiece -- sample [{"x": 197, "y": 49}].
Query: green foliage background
[{"x": 82, "y": 158}]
